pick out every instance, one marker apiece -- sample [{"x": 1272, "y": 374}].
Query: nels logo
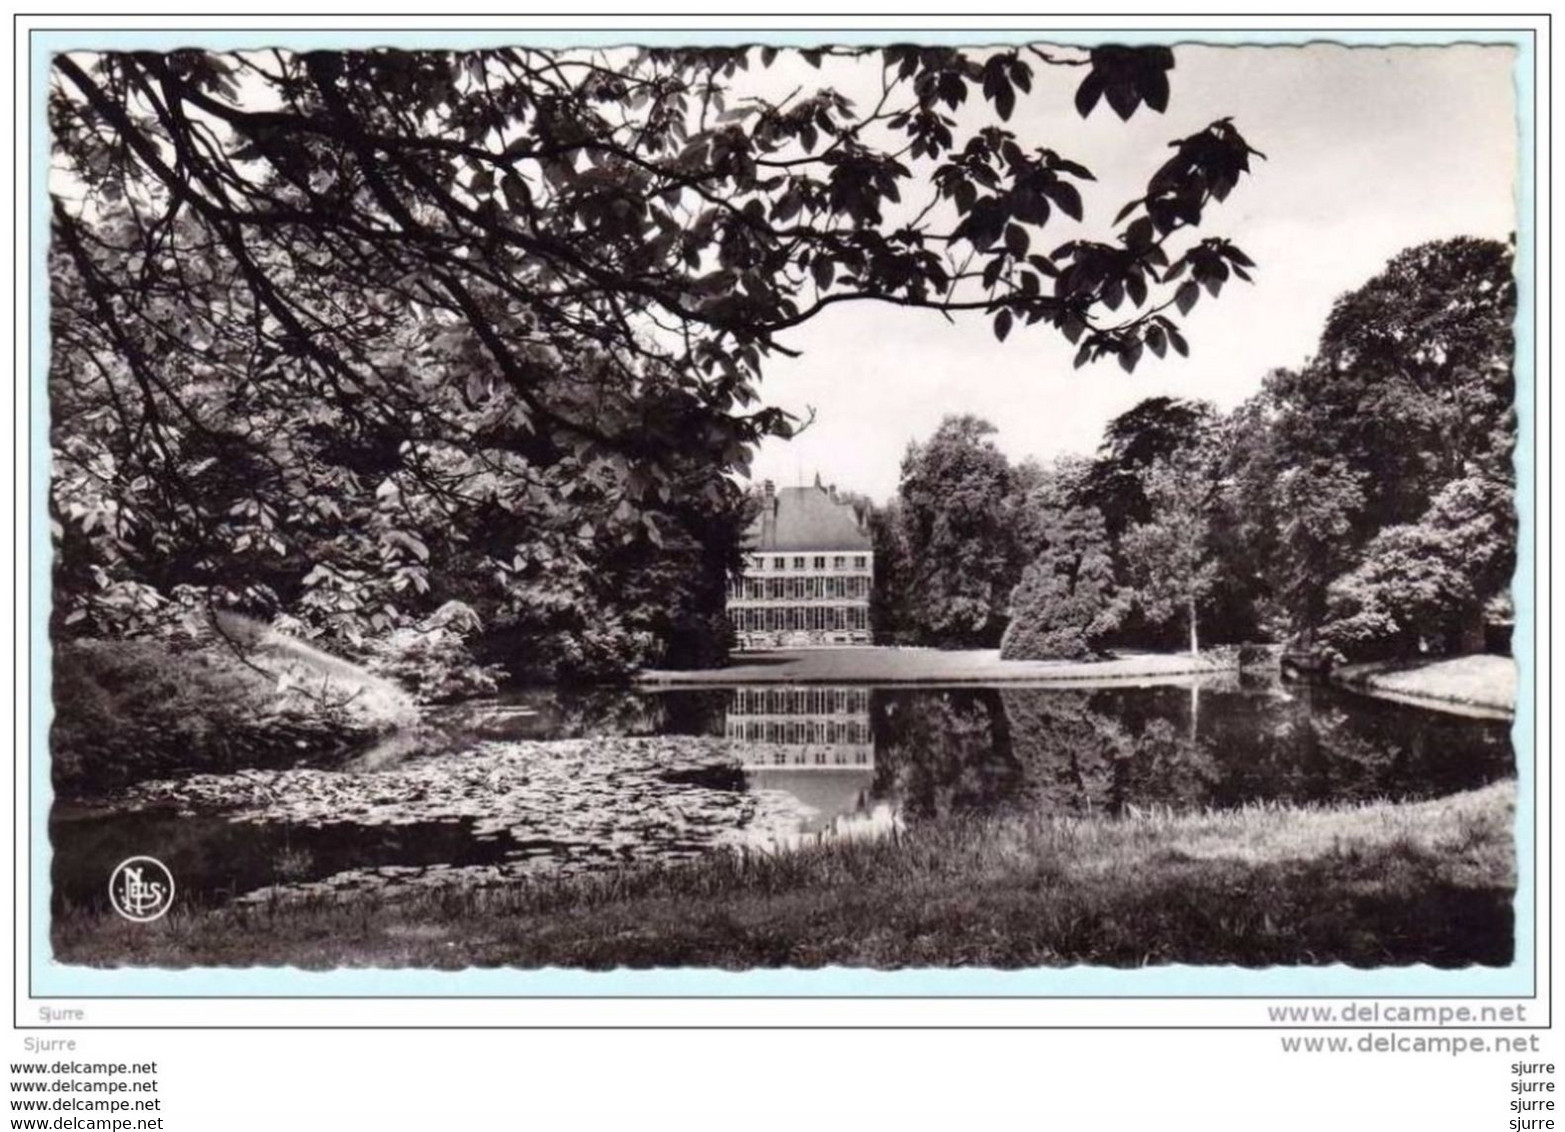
[{"x": 141, "y": 889}]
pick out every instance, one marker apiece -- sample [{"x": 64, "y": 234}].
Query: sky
[{"x": 1369, "y": 151}]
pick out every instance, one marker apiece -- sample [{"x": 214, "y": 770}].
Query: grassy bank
[
  {"x": 1484, "y": 682},
  {"x": 1427, "y": 882},
  {"x": 934, "y": 666},
  {"x": 128, "y": 710}
]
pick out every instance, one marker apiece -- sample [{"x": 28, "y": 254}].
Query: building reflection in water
[{"x": 814, "y": 743}]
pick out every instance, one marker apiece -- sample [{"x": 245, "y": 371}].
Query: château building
[{"x": 809, "y": 566}]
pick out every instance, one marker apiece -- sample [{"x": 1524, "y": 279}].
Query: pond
[{"x": 549, "y": 784}]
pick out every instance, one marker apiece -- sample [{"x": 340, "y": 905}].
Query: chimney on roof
[
  {"x": 832, "y": 491},
  {"x": 817, "y": 481},
  {"x": 768, "y": 489}
]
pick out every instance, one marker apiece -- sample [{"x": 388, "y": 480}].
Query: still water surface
[{"x": 546, "y": 783}]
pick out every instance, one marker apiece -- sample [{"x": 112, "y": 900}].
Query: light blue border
[{"x": 54, "y": 980}]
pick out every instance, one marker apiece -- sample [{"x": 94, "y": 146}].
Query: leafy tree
[
  {"x": 1158, "y": 428},
  {"x": 1319, "y": 501},
  {"x": 890, "y": 612},
  {"x": 1247, "y": 520},
  {"x": 1412, "y": 384},
  {"x": 1067, "y": 602},
  {"x": 355, "y": 334},
  {"x": 1169, "y": 557},
  {"x": 957, "y": 520},
  {"x": 1425, "y": 585},
  {"x": 1423, "y": 354},
  {"x": 1038, "y": 490},
  {"x": 243, "y": 484}
]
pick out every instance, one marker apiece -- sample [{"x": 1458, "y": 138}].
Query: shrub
[
  {"x": 434, "y": 664},
  {"x": 1424, "y": 586},
  {"x": 1048, "y": 622},
  {"x": 607, "y": 651},
  {"x": 1066, "y": 604}
]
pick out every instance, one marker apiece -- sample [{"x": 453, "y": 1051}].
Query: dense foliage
[
  {"x": 1409, "y": 412},
  {"x": 1067, "y": 603},
  {"x": 1364, "y": 503},
  {"x": 957, "y": 502},
  {"x": 348, "y": 337},
  {"x": 1158, "y": 429},
  {"x": 1169, "y": 557}
]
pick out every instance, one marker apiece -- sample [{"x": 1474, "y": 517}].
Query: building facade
[
  {"x": 815, "y": 744},
  {"x": 800, "y": 725},
  {"x": 809, "y": 568}
]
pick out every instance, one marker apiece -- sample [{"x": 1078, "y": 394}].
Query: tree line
[{"x": 1362, "y": 504}]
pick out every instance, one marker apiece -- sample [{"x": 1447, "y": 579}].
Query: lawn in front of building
[{"x": 881, "y": 665}]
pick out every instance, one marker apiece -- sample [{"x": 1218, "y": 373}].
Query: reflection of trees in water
[
  {"x": 1059, "y": 750},
  {"x": 1314, "y": 744},
  {"x": 1097, "y": 751},
  {"x": 939, "y": 751},
  {"x": 587, "y": 712},
  {"x": 608, "y": 711},
  {"x": 943, "y": 751},
  {"x": 1284, "y": 747},
  {"x": 1324, "y": 744},
  {"x": 1080, "y": 758},
  {"x": 1074, "y": 757}
]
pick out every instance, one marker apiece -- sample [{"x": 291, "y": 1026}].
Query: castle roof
[{"x": 807, "y": 518}]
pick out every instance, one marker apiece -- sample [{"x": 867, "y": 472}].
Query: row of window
[
  {"x": 809, "y": 562},
  {"x": 798, "y": 617},
  {"x": 798, "y": 589},
  {"x": 805, "y": 699},
  {"x": 799, "y": 732},
  {"x": 817, "y": 758}
]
